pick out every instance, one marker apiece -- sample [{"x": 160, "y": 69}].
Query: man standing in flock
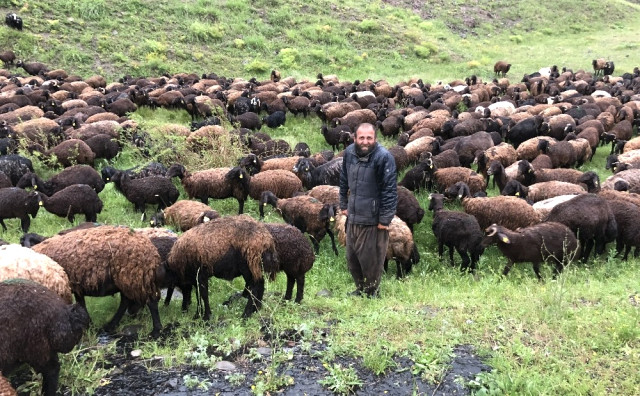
[{"x": 368, "y": 197}]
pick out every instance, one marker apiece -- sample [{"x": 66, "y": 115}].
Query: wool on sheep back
[
  {"x": 5, "y": 387},
  {"x": 226, "y": 248},
  {"x": 114, "y": 259},
  {"x": 21, "y": 262}
]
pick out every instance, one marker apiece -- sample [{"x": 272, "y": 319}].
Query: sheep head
[{"x": 495, "y": 231}]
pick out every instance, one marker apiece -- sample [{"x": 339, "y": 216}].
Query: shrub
[{"x": 256, "y": 66}]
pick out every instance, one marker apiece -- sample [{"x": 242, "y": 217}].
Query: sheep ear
[{"x": 504, "y": 238}]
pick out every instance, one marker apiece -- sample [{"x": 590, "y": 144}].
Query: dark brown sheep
[
  {"x": 226, "y": 248},
  {"x": 114, "y": 259},
  {"x": 16, "y": 203},
  {"x": 184, "y": 215},
  {"x": 77, "y": 174},
  {"x": 547, "y": 241},
  {"x": 37, "y": 325},
  {"x": 156, "y": 190},
  {"x": 72, "y": 200},
  {"x": 501, "y": 68}
]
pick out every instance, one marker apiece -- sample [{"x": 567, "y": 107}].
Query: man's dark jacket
[{"x": 371, "y": 183}]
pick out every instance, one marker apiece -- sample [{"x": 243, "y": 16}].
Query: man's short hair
[{"x": 366, "y": 125}]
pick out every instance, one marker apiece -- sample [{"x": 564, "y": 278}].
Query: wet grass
[{"x": 578, "y": 334}]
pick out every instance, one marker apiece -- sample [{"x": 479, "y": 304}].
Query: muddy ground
[{"x": 131, "y": 376}]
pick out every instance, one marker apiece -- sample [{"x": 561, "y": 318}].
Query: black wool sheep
[
  {"x": 295, "y": 257},
  {"x": 15, "y": 166},
  {"x": 33, "y": 68},
  {"x": 13, "y": 21},
  {"x": 590, "y": 218},
  {"x": 5, "y": 181},
  {"x": 627, "y": 216},
  {"x": 77, "y": 174},
  {"x": 151, "y": 169},
  {"x": 72, "y": 200},
  {"x": 548, "y": 241},
  {"x": 408, "y": 209},
  {"x": 457, "y": 230},
  {"x": 339, "y": 135},
  {"x": 103, "y": 146},
  {"x": 311, "y": 175},
  {"x": 275, "y": 119},
  {"x": 247, "y": 120},
  {"x": 156, "y": 190},
  {"x": 16, "y": 203},
  {"x": 37, "y": 325}
]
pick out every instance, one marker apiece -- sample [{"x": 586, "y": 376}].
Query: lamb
[
  {"x": 37, "y": 325},
  {"x": 115, "y": 259},
  {"x": 218, "y": 183},
  {"x": 334, "y": 137},
  {"x": 18, "y": 203},
  {"x": 7, "y": 57},
  {"x": 184, "y": 215},
  {"x": 247, "y": 120},
  {"x": 72, "y": 200},
  {"x": 13, "y": 21},
  {"x": 311, "y": 176},
  {"x": 305, "y": 213},
  {"x": 457, "y": 230},
  {"x": 275, "y": 119},
  {"x": 626, "y": 215},
  {"x": 242, "y": 248},
  {"x": 510, "y": 212},
  {"x": 401, "y": 247},
  {"x": 408, "y": 208},
  {"x": 77, "y": 174},
  {"x": 590, "y": 218},
  {"x": 418, "y": 177},
  {"x": 21, "y": 262},
  {"x": 283, "y": 183},
  {"x": 501, "y": 68},
  {"x": 549, "y": 241},
  {"x": 599, "y": 65},
  {"x": 295, "y": 256}
]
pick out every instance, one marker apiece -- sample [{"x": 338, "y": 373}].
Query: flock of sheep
[{"x": 530, "y": 135}]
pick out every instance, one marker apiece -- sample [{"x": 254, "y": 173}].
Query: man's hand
[{"x": 382, "y": 227}]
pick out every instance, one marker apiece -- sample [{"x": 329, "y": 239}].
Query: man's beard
[{"x": 362, "y": 151}]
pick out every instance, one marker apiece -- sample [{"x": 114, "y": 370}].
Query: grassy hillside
[
  {"x": 380, "y": 39},
  {"x": 579, "y": 334}
]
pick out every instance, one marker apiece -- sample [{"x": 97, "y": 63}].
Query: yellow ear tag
[
  {"x": 241, "y": 176},
  {"x": 264, "y": 204},
  {"x": 108, "y": 179},
  {"x": 332, "y": 219},
  {"x": 35, "y": 187},
  {"x": 460, "y": 196},
  {"x": 430, "y": 166},
  {"x": 206, "y": 220},
  {"x": 505, "y": 239},
  {"x": 40, "y": 203},
  {"x": 517, "y": 194},
  {"x": 306, "y": 169}
]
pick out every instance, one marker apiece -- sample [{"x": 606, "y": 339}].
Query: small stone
[
  {"x": 136, "y": 353},
  {"x": 264, "y": 351},
  {"x": 116, "y": 371},
  {"x": 262, "y": 343},
  {"x": 173, "y": 383},
  {"x": 225, "y": 366},
  {"x": 324, "y": 293}
]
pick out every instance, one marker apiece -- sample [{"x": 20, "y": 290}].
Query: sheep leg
[
  {"x": 50, "y": 372},
  {"x": 626, "y": 252},
  {"x": 25, "y": 222},
  {"x": 333, "y": 241},
  {"x": 536, "y": 269},
  {"x": 186, "y": 296},
  {"x": 299, "y": 288},
  {"x": 240, "y": 206},
  {"x": 167, "y": 299},
  {"x": 507, "y": 268},
  {"x": 557, "y": 269},
  {"x": 4, "y": 227},
  {"x": 291, "y": 281},
  {"x": 155, "y": 317},
  {"x": 440, "y": 249},
  {"x": 122, "y": 308},
  {"x": 588, "y": 245},
  {"x": 465, "y": 259},
  {"x": 255, "y": 298},
  {"x": 451, "y": 262},
  {"x": 316, "y": 245},
  {"x": 203, "y": 286}
]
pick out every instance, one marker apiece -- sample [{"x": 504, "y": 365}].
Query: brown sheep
[
  {"x": 218, "y": 183},
  {"x": 501, "y": 68},
  {"x": 5, "y": 387},
  {"x": 305, "y": 213},
  {"x": 356, "y": 117},
  {"x": 184, "y": 215},
  {"x": 114, "y": 259},
  {"x": 71, "y": 152},
  {"x": 226, "y": 247},
  {"x": 283, "y": 183}
]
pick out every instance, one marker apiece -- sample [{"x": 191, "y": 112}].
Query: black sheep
[
  {"x": 13, "y": 21},
  {"x": 77, "y": 174},
  {"x": 73, "y": 200},
  {"x": 147, "y": 190},
  {"x": 37, "y": 325},
  {"x": 311, "y": 176},
  {"x": 339, "y": 135},
  {"x": 590, "y": 218},
  {"x": 247, "y": 120},
  {"x": 15, "y": 166},
  {"x": 408, "y": 209},
  {"x": 33, "y": 68},
  {"x": 457, "y": 230},
  {"x": 16, "y": 203},
  {"x": 103, "y": 146},
  {"x": 152, "y": 169},
  {"x": 627, "y": 215},
  {"x": 274, "y": 119},
  {"x": 525, "y": 130},
  {"x": 5, "y": 181}
]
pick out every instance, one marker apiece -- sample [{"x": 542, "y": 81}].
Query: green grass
[{"x": 576, "y": 335}]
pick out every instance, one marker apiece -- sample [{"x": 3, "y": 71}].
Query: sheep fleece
[
  {"x": 92, "y": 256},
  {"x": 21, "y": 262}
]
